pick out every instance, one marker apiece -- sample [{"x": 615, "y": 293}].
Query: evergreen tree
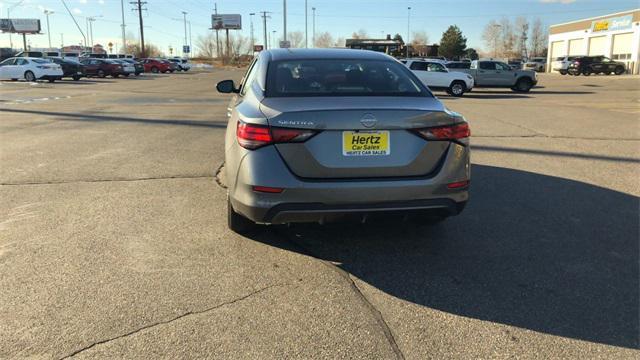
[{"x": 452, "y": 44}]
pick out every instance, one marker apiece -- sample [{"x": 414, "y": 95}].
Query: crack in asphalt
[
  {"x": 217, "y": 176},
  {"x": 342, "y": 273},
  {"x": 108, "y": 180},
  {"x": 164, "y": 322}
]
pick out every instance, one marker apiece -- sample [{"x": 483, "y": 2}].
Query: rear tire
[
  {"x": 586, "y": 72},
  {"x": 619, "y": 70},
  {"x": 238, "y": 223},
  {"x": 154, "y": 70},
  {"x": 563, "y": 72},
  {"x": 457, "y": 88},
  {"x": 29, "y": 76},
  {"x": 76, "y": 78},
  {"x": 101, "y": 74},
  {"x": 523, "y": 85},
  {"x": 51, "y": 80}
]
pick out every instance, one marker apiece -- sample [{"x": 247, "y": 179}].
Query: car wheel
[
  {"x": 563, "y": 72},
  {"x": 457, "y": 88},
  {"x": 619, "y": 70},
  {"x": 523, "y": 85},
  {"x": 76, "y": 78},
  {"x": 51, "y": 80},
  {"x": 29, "y": 76},
  {"x": 238, "y": 223},
  {"x": 115, "y": 75},
  {"x": 154, "y": 70},
  {"x": 101, "y": 74},
  {"x": 586, "y": 72}
]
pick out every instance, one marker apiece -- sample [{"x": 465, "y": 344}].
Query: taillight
[
  {"x": 451, "y": 132},
  {"x": 251, "y": 136}
]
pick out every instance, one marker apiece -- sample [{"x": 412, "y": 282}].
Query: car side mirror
[{"x": 227, "y": 87}]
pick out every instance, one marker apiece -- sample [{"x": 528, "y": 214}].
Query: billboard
[
  {"x": 226, "y": 21},
  {"x": 20, "y": 26},
  {"x": 612, "y": 24}
]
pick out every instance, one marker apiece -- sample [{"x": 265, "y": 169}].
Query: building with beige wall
[{"x": 616, "y": 36}]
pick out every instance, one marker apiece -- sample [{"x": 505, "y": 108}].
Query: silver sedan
[{"x": 320, "y": 134}]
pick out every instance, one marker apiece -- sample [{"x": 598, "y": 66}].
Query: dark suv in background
[{"x": 587, "y": 65}]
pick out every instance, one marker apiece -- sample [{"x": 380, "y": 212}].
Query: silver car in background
[{"x": 319, "y": 134}]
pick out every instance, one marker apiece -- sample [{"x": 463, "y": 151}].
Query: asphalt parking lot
[{"x": 113, "y": 237}]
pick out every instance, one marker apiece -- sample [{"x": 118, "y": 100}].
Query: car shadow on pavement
[
  {"x": 538, "y": 252},
  {"x": 117, "y": 118}
]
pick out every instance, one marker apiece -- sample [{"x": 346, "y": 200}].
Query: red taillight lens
[
  {"x": 458, "y": 185},
  {"x": 267, "y": 189},
  {"x": 251, "y": 136},
  {"x": 281, "y": 135},
  {"x": 452, "y": 132}
]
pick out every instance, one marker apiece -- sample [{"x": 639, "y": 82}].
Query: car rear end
[
  {"x": 114, "y": 68},
  {"x": 46, "y": 70},
  {"x": 367, "y": 147}
]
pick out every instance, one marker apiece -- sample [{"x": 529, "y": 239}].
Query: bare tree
[
  {"x": 296, "y": 38},
  {"x": 360, "y": 34},
  {"x": 419, "y": 38},
  {"x": 507, "y": 39},
  {"x": 206, "y": 45},
  {"x": 324, "y": 40},
  {"x": 491, "y": 36},
  {"x": 150, "y": 50},
  {"x": 239, "y": 45},
  {"x": 538, "y": 39},
  {"x": 339, "y": 42}
]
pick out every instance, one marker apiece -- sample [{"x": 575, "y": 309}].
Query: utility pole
[
  {"x": 190, "y": 44},
  {"x": 123, "y": 48},
  {"x": 184, "y": 14},
  {"x": 306, "y": 27},
  {"x": 253, "y": 40},
  {"x": 215, "y": 10},
  {"x": 139, "y": 4},
  {"x": 61, "y": 41},
  {"x": 313, "y": 38},
  {"x": 284, "y": 12},
  {"x": 264, "y": 24},
  {"x": 91, "y": 20},
  {"x": 47, "y": 13},
  {"x": 408, "y": 28}
]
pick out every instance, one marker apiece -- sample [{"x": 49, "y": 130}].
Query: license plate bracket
[{"x": 366, "y": 143}]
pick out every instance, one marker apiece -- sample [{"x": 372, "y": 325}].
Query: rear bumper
[{"x": 304, "y": 200}]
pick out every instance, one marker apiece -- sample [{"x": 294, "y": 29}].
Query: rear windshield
[
  {"x": 40, "y": 61},
  {"x": 341, "y": 77}
]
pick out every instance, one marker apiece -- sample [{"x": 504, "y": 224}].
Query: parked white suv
[
  {"x": 436, "y": 76},
  {"x": 183, "y": 64},
  {"x": 561, "y": 64}
]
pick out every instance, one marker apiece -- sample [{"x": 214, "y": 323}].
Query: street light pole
[
  {"x": 306, "y": 27},
  {"x": 253, "y": 41},
  {"x": 123, "y": 48},
  {"x": 284, "y": 12},
  {"x": 47, "y": 13},
  {"x": 184, "y": 14},
  {"x": 408, "y": 28},
  {"x": 313, "y": 37}
]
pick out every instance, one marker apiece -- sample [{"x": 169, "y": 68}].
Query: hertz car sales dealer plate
[{"x": 365, "y": 143}]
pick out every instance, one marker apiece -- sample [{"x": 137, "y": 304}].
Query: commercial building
[{"x": 616, "y": 36}]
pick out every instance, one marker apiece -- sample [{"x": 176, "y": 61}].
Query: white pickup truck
[{"x": 436, "y": 76}]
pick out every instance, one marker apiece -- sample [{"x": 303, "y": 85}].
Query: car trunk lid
[{"x": 359, "y": 137}]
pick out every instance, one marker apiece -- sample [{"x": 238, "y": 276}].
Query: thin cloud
[
  {"x": 76, "y": 11},
  {"x": 82, "y": 1}
]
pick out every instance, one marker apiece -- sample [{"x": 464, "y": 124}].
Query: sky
[{"x": 164, "y": 26}]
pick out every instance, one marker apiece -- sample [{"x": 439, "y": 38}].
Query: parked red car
[
  {"x": 155, "y": 66},
  {"x": 101, "y": 67}
]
